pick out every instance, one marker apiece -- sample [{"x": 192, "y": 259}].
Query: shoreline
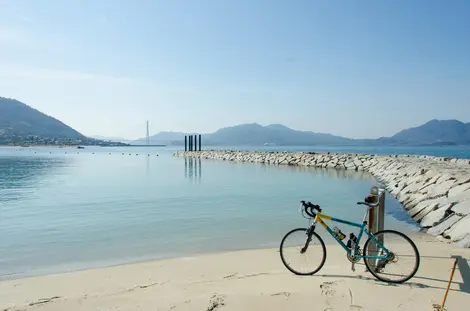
[
  {"x": 39, "y": 147},
  {"x": 243, "y": 280},
  {"x": 434, "y": 191},
  {"x": 116, "y": 263}
]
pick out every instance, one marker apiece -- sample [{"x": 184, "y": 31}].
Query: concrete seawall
[{"x": 434, "y": 191}]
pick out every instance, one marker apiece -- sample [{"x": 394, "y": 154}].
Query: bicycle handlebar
[{"x": 309, "y": 207}]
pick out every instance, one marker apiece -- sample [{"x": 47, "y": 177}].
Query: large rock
[
  {"x": 414, "y": 187},
  {"x": 462, "y": 197},
  {"x": 443, "y": 226},
  {"x": 425, "y": 211},
  {"x": 422, "y": 205},
  {"x": 456, "y": 190},
  {"x": 415, "y": 199},
  {"x": 403, "y": 197},
  {"x": 462, "y": 208},
  {"x": 433, "y": 217},
  {"x": 460, "y": 231},
  {"x": 440, "y": 189},
  {"x": 430, "y": 182}
]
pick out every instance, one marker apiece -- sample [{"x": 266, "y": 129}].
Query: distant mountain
[
  {"x": 21, "y": 124},
  {"x": 448, "y": 132},
  {"x": 162, "y": 138},
  {"x": 20, "y": 119},
  {"x": 255, "y": 134},
  {"x": 436, "y": 132},
  {"x": 251, "y": 134}
]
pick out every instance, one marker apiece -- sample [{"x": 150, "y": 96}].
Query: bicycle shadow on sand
[
  {"x": 378, "y": 282},
  {"x": 462, "y": 267}
]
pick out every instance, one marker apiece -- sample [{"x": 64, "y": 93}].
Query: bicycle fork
[{"x": 309, "y": 238}]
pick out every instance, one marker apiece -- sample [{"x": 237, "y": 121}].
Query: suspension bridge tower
[{"x": 147, "y": 136}]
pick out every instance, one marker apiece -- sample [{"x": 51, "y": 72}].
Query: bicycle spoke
[
  {"x": 305, "y": 263},
  {"x": 402, "y": 263}
]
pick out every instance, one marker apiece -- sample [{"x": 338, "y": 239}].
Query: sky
[{"x": 359, "y": 69}]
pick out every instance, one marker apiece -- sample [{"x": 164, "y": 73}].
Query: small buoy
[
  {"x": 136, "y": 154},
  {"x": 130, "y": 154},
  {"x": 110, "y": 153},
  {"x": 93, "y": 153},
  {"x": 148, "y": 155},
  {"x": 78, "y": 152},
  {"x": 123, "y": 153}
]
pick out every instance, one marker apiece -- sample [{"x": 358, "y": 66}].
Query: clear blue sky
[{"x": 350, "y": 68}]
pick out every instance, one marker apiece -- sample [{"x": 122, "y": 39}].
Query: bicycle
[{"x": 375, "y": 263}]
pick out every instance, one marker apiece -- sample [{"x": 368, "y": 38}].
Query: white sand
[{"x": 245, "y": 280}]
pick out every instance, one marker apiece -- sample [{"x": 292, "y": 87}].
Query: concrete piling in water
[{"x": 193, "y": 142}]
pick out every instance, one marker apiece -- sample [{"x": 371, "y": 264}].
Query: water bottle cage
[{"x": 352, "y": 240}]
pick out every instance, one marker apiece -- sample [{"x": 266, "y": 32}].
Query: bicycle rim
[
  {"x": 403, "y": 263},
  {"x": 308, "y": 262}
]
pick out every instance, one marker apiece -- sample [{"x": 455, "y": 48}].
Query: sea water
[{"x": 69, "y": 209}]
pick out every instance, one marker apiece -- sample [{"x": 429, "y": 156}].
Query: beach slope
[{"x": 245, "y": 280}]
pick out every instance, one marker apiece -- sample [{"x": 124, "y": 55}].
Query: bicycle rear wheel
[
  {"x": 403, "y": 262},
  {"x": 309, "y": 252}
]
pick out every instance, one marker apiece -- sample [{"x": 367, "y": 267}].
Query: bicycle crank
[{"x": 356, "y": 257}]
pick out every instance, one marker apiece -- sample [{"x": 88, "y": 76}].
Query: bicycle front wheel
[
  {"x": 402, "y": 262},
  {"x": 303, "y": 254}
]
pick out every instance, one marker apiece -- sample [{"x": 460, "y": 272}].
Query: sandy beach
[{"x": 245, "y": 280}]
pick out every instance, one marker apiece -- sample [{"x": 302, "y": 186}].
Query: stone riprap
[{"x": 435, "y": 191}]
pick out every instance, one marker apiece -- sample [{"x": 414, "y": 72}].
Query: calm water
[{"x": 106, "y": 206}]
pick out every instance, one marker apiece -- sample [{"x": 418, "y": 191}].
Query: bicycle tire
[
  {"x": 407, "y": 239},
  {"x": 322, "y": 262}
]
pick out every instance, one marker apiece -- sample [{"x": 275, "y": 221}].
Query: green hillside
[{"x": 21, "y": 124}]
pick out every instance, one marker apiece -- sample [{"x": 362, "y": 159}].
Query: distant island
[
  {"x": 22, "y": 125},
  {"x": 432, "y": 133}
]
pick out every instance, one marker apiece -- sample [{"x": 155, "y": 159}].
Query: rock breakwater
[{"x": 435, "y": 191}]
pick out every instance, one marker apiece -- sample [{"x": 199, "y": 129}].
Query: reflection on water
[
  {"x": 319, "y": 171},
  {"x": 21, "y": 176},
  {"x": 193, "y": 169},
  {"x": 105, "y": 206},
  {"x": 147, "y": 166},
  {"x": 330, "y": 172}
]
